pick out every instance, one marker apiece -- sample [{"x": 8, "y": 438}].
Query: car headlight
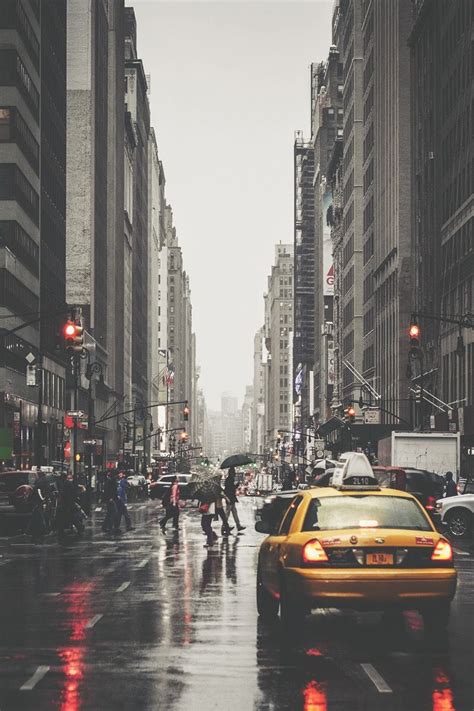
[{"x": 438, "y": 506}]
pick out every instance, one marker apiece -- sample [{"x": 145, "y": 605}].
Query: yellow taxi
[{"x": 354, "y": 545}]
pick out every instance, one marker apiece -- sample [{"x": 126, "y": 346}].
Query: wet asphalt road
[{"x": 159, "y": 622}]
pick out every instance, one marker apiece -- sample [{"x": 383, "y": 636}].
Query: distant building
[
  {"x": 257, "y": 442},
  {"x": 278, "y": 343},
  {"x": 247, "y": 409},
  {"x": 304, "y": 282},
  {"x": 326, "y": 131}
]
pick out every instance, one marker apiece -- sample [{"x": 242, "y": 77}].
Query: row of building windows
[
  {"x": 369, "y": 103},
  {"x": 368, "y": 247},
  {"x": 348, "y": 250},
  {"x": 368, "y": 321},
  {"x": 14, "y": 186},
  {"x": 348, "y": 125},
  {"x": 368, "y": 69},
  {"x": 348, "y": 217},
  {"x": 13, "y": 129},
  {"x": 348, "y": 343},
  {"x": 460, "y": 244},
  {"x": 14, "y": 73},
  {"x": 458, "y": 138},
  {"x": 369, "y": 214},
  {"x": 368, "y": 287},
  {"x": 368, "y": 141},
  {"x": 13, "y": 236},
  {"x": 456, "y": 85},
  {"x": 369, "y": 30},
  {"x": 458, "y": 376},
  {"x": 460, "y": 299},
  {"x": 349, "y": 187},
  {"x": 369, "y": 176},
  {"x": 348, "y": 92},
  {"x": 14, "y": 17},
  {"x": 458, "y": 191},
  {"x": 368, "y": 359},
  {"x": 348, "y": 281},
  {"x": 15, "y": 296},
  {"x": 348, "y": 313}
]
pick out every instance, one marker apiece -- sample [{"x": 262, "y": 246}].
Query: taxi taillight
[
  {"x": 442, "y": 551},
  {"x": 430, "y": 503},
  {"x": 313, "y": 552}
]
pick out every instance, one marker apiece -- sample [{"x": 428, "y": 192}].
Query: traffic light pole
[
  {"x": 75, "y": 370},
  {"x": 39, "y": 421}
]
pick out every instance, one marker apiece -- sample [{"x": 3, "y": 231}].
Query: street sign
[
  {"x": 372, "y": 417},
  {"x": 31, "y": 376},
  {"x": 127, "y": 446},
  {"x": 30, "y": 358},
  {"x": 78, "y": 414},
  {"x": 319, "y": 444}
]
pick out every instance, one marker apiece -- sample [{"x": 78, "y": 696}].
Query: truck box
[{"x": 437, "y": 452}]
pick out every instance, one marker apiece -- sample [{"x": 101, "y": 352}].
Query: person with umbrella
[{"x": 230, "y": 489}]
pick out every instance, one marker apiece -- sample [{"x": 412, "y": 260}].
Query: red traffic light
[
  {"x": 414, "y": 331},
  {"x": 351, "y": 411},
  {"x": 186, "y": 412},
  {"x": 69, "y": 330}
]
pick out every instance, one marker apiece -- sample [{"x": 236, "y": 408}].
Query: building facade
[{"x": 278, "y": 343}]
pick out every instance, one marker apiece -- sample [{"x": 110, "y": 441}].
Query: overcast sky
[{"x": 230, "y": 83}]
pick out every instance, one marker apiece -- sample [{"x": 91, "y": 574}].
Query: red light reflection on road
[
  {"x": 314, "y": 652},
  {"x": 314, "y": 695},
  {"x": 442, "y": 694},
  {"x": 78, "y": 611}
]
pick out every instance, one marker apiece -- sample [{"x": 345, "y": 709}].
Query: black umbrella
[{"x": 236, "y": 460}]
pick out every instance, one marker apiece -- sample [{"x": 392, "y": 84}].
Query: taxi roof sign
[{"x": 356, "y": 473}]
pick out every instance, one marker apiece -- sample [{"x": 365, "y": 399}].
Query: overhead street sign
[{"x": 78, "y": 414}]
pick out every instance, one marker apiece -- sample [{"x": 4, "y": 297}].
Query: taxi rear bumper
[{"x": 371, "y": 588}]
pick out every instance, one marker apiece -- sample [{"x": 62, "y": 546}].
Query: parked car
[
  {"x": 137, "y": 487},
  {"x": 427, "y": 487},
  {"x": 457, "y": 512},
  {"x": 158, "y": 487}
]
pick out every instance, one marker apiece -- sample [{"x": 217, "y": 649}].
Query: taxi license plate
[{"x": 379, "y": 559}]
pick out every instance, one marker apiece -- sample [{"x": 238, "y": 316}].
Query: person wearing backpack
[{"x": 170, "y": 502}]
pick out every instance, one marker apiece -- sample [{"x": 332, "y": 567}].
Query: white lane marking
[
  {"x": 458, "y": 551},
  {"x": 123, "y": 587},
  {"x": 98, "y": 508},
  {"x": 377, "y": 680},
  {"x": 5, "y": 562},
  {"x": 33, "y": 680},
  {"x": 51, "y": 594},
  {"x": 93, "y": 621},
  {"x": 143, "y": 562}
]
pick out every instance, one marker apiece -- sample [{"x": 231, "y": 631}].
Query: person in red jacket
[{"x": 171, "y": 503}]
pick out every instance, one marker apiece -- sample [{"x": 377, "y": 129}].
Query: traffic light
[
  {"x": 77, "y": 457},
  {"x": 414, "y": 332},
  {"x": 69, "y": 332},
  {"x": 350, "y": 414},
  {"x": 73, "y": 332},
  {"x": 186, "y": 411},
  {"x": 184, "y": 436}
]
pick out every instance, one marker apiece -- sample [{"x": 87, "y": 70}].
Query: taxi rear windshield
[{"x": 339, "y": 512}]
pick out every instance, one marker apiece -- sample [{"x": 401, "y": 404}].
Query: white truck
[{"x": 437, "y": 452}]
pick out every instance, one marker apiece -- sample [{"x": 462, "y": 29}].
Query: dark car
[
  {"x": 426, "y": 486},
  {"x": 163, "y": 483},
  {"x": 274, "y": 508}
]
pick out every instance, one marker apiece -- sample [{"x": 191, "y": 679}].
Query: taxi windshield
[{"x": 363, "y": 511}]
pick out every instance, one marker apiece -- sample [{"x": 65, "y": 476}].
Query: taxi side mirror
[{"x": 263, "y": 527}]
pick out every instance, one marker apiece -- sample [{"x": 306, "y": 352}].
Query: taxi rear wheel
[
  {"x": 267, "y": 606},
  {"x": 292, "y": 610}
]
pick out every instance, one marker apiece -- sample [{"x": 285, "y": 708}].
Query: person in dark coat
[
  {"x": 450, "y": 488},
  {"x": 230, "y": 489},
  {"x": 111, "y": 521}
]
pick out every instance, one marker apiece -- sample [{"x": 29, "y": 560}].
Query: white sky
[{"x": 230, "y": 84}]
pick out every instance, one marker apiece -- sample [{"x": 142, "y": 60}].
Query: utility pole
[{"x": 39, "y": 421}]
